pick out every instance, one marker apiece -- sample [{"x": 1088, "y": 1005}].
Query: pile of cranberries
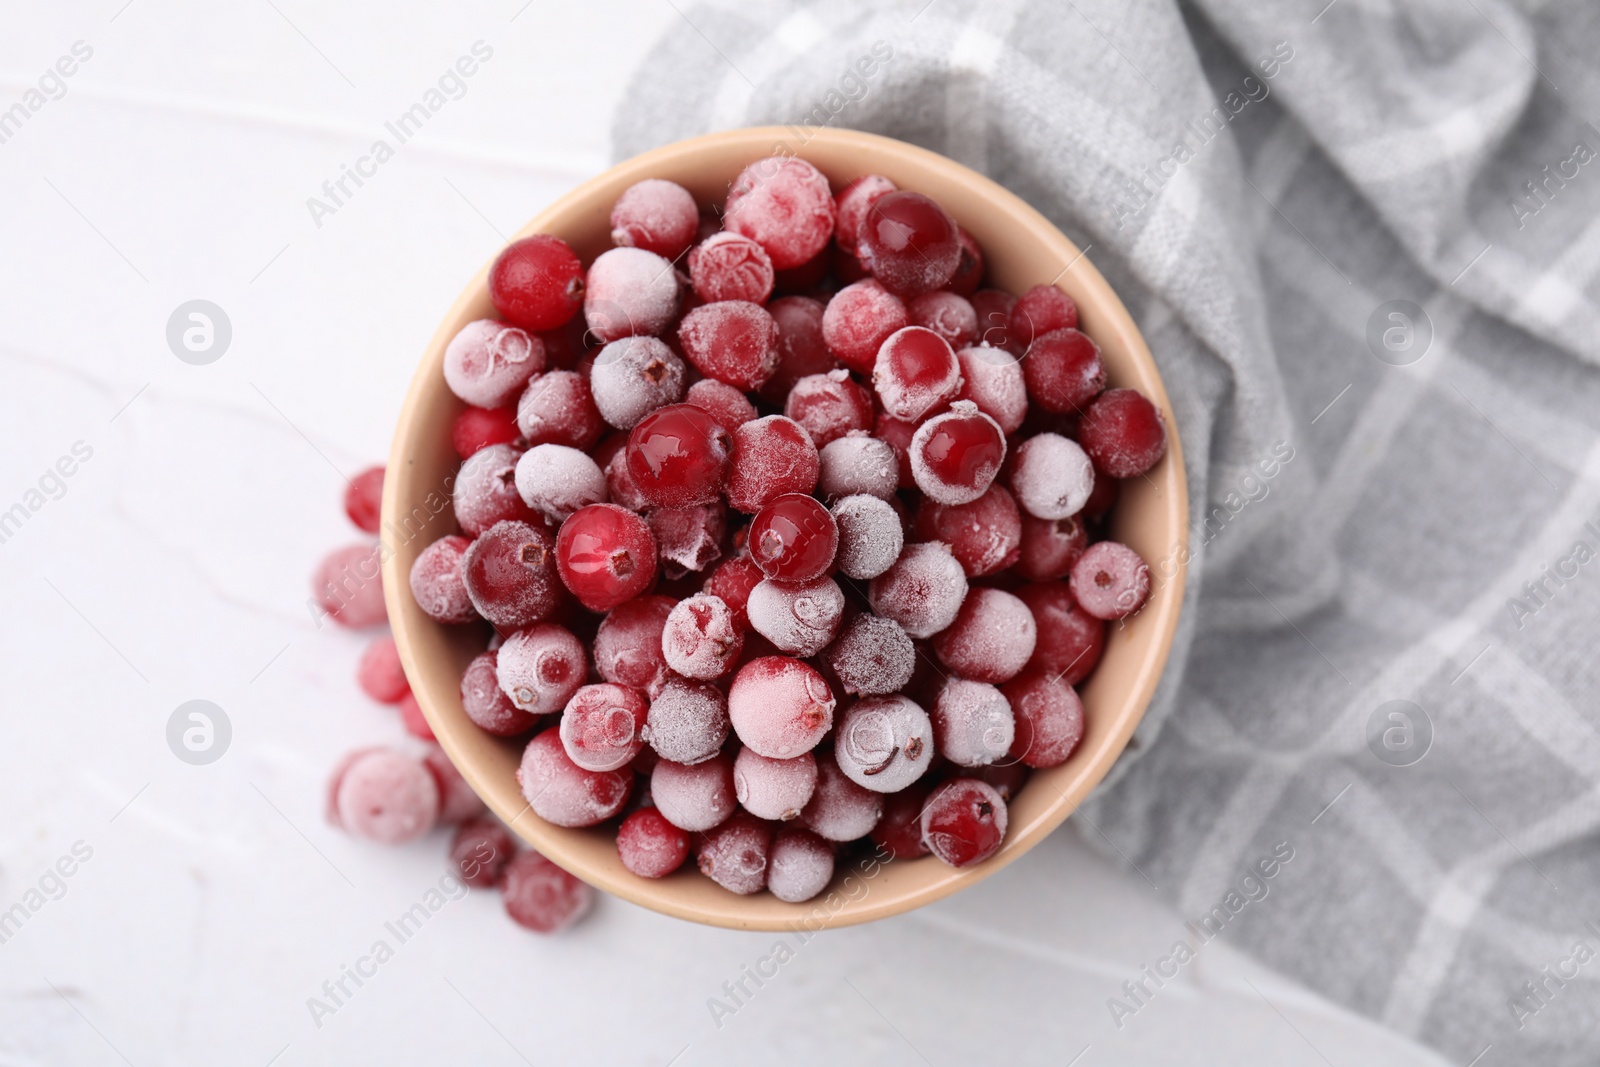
[{"x": 785, "y": 527}]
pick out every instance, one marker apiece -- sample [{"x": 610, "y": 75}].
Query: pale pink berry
[
  {"x": 656, "y": 215},
  {"x": 486, "y": 490},
  {"x": 991, "y": 639},
  {"x": 799, "y": 866},
  {"x": 631, "y": 293},
  {"x": 947, "y": 314},
  {"x": 649, "y": 845},
  {"x": 735, "y": 854},
  {"x": 348, "y": 585},
  {"x": 774, "y": 788},
  {"x": 799, "y": 618},
  {"x": 488, "y": 362},
  {"x": 871, "y": 536},
  {"x": 601, "y": 726},
  {"x": 694, "y": 797},
  {"x": 779, "y": 706},
  {"x": 784, "y": 203},
  {"x": 1049, "y": 718},
  {"x": 542, "y": 897},
  {"x": 992, "y": 378},
  {"x": 872, "y": 656},
  {"x": 884, "y": 743},
  {"x": 486, "y": 704},
  {"x": 922, "y": 591},
  {"x": 634, "y": 376},
  {"x": 688, "y": 721},
  {"x": 563, "y": 793},
  {"x": 627, "y": 647},
  {"x": 556, "y": 480},
  {"x": 688, "y": 539},
  {"x": 385, "y": 796},
  {"x": 840, "y": 810},
  {"x": 436, "y": 583},
  {"x": 702, "y": 638},
  {"x": 540, "y": 667},
  {"x": 457, "y": 800},
  {"x": 972, "y": 723},
  {"x": 1051, "y": 476},
  {"x": 730, "y": 266},
  {"x": 858, "y": 464},
  {"x": 1110, "y": 580}
]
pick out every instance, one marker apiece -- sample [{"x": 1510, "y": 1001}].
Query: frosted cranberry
[
  {"x": 537, "y": 283},
  {"x": 563, "y": 793},
  {"x": 1051, "y": 476},
  {"x": 779, "y": 706},
  {"x": 678, "y": 456},
  {"x": 457, "y": 800},
  {"x": 542, "y": 897},
  {"x": 510, "y": 574},
  {"x": 970, "y": 268},
  {"x": 701, "y": 638},
  {"x": 656, "y": 215},
  {"x": 1110, "y": 580},
  {"x": 964, "y": 822},
  {"x": 994, "y": 307},
  {"x": 899, "y": 833},
  {"x": 992, "y": 638},
  {"x": 688, "y": 539},
  {"x": 871, "y": 656},
  {"x": 1049, "y": 718},
  {"x": 1050, "y": 547},
  {"x": 884, "y": 743},
  {"x": 972, "y": 723},
  {"x": 540, "y": 668},
  {"x": 857, "y": 321},
  {"x": 486, "y": 704},
  {"x": 379, "y": 673},
  {"x": 735, "y": 855},
  {"x": 946, "y": 314},
  {"x": 801, "y": 349},
  {"x": 774, "y": 788},
  {"x": 436, "y": 583},
  {"x": 909, "y": 243},
  {"x": 478, "y": 428},
  {"x": 730, "y": 266},
  {"x": 915, "y": 372},
  {"x": 897, "y": 435},
  {"x": 851, "y": 207},
  {"x": 730, "y": 407},
  {"x": 1103, "y": 497},
  {"x": 732, "y": 582},
  {"x": 733, "y": 341},
  {"x": 632, "y": 293},
  {"x": 793, "y": 538},
  {"x": 984, "y": 536},
  {"x": 488, "y": 362},
  {"x": 1070, "y": 639},
  {"x": 485, "y": 491},
  {"x": 601, "y": 724},
  {"x": 1064, "y": 370},
  {"x": 605, "y": 555},
  {"x": 785, "y": 204},
  {"x": 800, "y": 865},
  {"x": 627, "y": 647},
  {"x": 870, "y": 536},
  {"x": 771, "y": 457},
  {"x": 363, "y": 499},
  {"x": 556, "y": 480},
  {"x": 922, "y": 591},
  {"x": 480, "y": 850},
  {"x": 384, "y": 796},
  {"x": 633, "y": 377},
  {"x": 688, "y": 721},
  {"x": 612, "y": 456},
  {"x": 694, "y": 797},
  {"x": 992, "y": 378},
  {"x": 858, "y": 463},
  {"x": 349, "y": 586},
  {"x": 1123, "y": 433},
  {"x": 955, "y": 456},
  {"x": 840, "y": 810},
  {"x": 799, "y": 618},
  {"x": 649, "y": 845},
  {"x": 411, "y": 718},
  {"x": 1041, "y": 310},
  {"x": 558, "y": 409},
  {"x": 829, "y": 406}
]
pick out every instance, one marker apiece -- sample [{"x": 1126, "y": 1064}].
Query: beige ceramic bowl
[{"x": 1023, "y": 249}]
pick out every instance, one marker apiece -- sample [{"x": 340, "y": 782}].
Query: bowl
[{"x": 1023, "y": 249}]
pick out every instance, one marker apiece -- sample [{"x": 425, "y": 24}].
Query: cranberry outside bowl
[{"x": 1023, "y": 249}]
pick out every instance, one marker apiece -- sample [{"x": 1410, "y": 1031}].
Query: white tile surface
[{"x": 175, "y": 564}]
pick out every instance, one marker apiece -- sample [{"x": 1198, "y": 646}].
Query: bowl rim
[{"x": 1162, "y": 612}]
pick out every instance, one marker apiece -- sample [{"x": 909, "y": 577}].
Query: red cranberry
[
  {"x": 992, "y": 638},
  {"x": 1049, "y": 718},
  {"x": 634, "y": 376},
  {"x": 537, "y": 283},
  {"x": 478, "y": 428},
  {"x": 806, "y": 278},
  {"x": 480, "y": 850},
  {"x": 729, "y": 406},
  {"x": 379, "y": 672},
  {"x": 688, "y": 722},
  {"x": 1051, "y": 476},
  {"x": 899, "y": 832},
  {"x": 915, "y": 372},
  {"x": 556, "y": 480},
  {"x": 701, "y": 638},
  {"x": 972, "y": 722},
  {"x": 884, "y": 743},
  {"x": 627, "y": 646},
  {"x": 771, "y": 457},
  {"x": 799, "y": 866},
  {"x": 909, "y": 243},
  {"x": 656, "y": 215},
  {"x": 732, "y": 581},
  {"x": 1103, "y": 497},
  {"x": 992, "y": 378},
  {"x": 632, "y": 293},
  {"x": 840, "y": 810},
  {"x": 1050, "y": 547},
  {"x": 794, "y": 538},
  {"x": 1110, "y": 580},
  {"x": 558, "y": 409},
  {"x": 964, "y": 822},
  {"x": 857, "y": 321},
  {"x": 678, "y": 456},
  {"x": 955, "y": 456},
  {"x": 1123, "y": 433},
  {"x": 348, "y": 585},
  {"x": 733, "y": 341},
  {"x": 1008, "y": 778},
  {"x": 436, "y": 583},
  {"x": 774, "y": 788},
  {"x": 1064, "y": 370},
  {"x": 946, "y": 314},
  {"x": 799, "y": 618},
  {"x": 363, "y": 498},
  {"x": 688, "y": 539},
  {"x": 542, "y": 897},
  {"x": 922, "y": 591},
  {"x": 735, "y": 854},
  {"x": 540, "y": 667},
  {"x": 969, "y": 271},
  {"x": 858, "y": 463},
  {"x": 829, "y": 406},
  {"x": 486, "y": 704},
  {"x": 649, "y": 845},
  {"x": 605, "y": 555},
  {"x": 600, "y": 726},
  {"x": 563, "y": 793},
  {"x": 780, "y": 707},
  {"x": 1041, "y": 310},
  {"x": 694, "y": 796},
  {"x": 801, "y": 349},
  {"x": 730, "y": 266},
  {"x": 457, "y": 800},
  {"x": 489, "y": 362},
  {"x": 486, "y": 490},
  {"x": 1070, "y": 639},
  {"x": 851, "y": 206},
  {"x": 785, "y": 204},
  {"x": 985, "y": 535},
  {"x": 994, "y": 308},
  {"x": 384, "y": 796},
  {"x": 510, "y": 574},
  {"x": 871, "y": 657}
]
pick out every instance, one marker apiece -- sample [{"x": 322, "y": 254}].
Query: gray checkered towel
[{"x": 1362, "y": 240}]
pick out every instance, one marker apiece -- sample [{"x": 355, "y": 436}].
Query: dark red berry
[
  {"x": 909, "y": 243},
  {"x": 559, "y": 409},
  {"x": 801, "y": 349},
  {"x": 771, "y": 457},
  {"x": 1063, "y": 370},
  {"x": 1070, "y": 639},
  {"x": 537, "y": 283},
  {"x": 733, "y": 341},
  {"x": 486, "y": 704},
  {"x": 478, "y": 428},
  {"x": 650, "y": 846},
  {"x": 605, "y": 555},
  {"x": 993, "y": 308},
  {"x": 1050, "y": 547},
  {"x": 899, "y": 832},
  {"x": 985, "y": 535},
  {"x": 955, "y": 456},
  {"x": 678, "y": 456},
  {"x": 794, "y": 538},
  {"x": 1049, "y": 718},
  {"x": 363, "y": 498},
  {"x": 510, "y": 574},
  {"x": 732, "y": 581},
  {"x": 1041, "y": 310},
  {"x": 1123, "y": 433},
  {"x": 964, "y": 821},
  {"x": 969, "y": 271},
  {"x": 480, "y": 851}
]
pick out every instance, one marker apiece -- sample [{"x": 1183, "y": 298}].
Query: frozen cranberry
[
  {"x": 688, "y": 721},
  {"x": 801, "y": 349},
  {"x": 486, "y": 490},
  {"x": 379, "y": 673},
  {"x": 542, "y": 897},
  {"x": 915, "y": 372},
  {"x": 909, "y": 243},
  {"x": 733, "y": 341},
  {"x": 800, "y": 865},
  {"x": 732, "y": 582},
  {"x": 605, "y": 555},
  {"x": 688, "y": 539},
  {"x": 627, "y": 648},
  {"x": 1049, "y": 718},
  {"x": 779, "y": 706},
  {"x": 633, "y": 377},
  {"x": 1063, "y": 370},
  {"x": 735, "y": 854},
  {"x": 857, "y": 321},
  {"x": 563, "y": 793},
  {"x": 537, "y": 283},
  {"x": 540, "y": 668},
  {"x": 871, "y": 656},
  {"x": 771, "y": 457},
  {"x": 922, "y": 591},
  {"x": 870, "y": 536},
  {"x": 478, "y": 428},
  {"x": 970, "y": 267},
  {"x": 601, "y": 726},
  {"x": 1070, "y": 639},
  {"x": 694, "y": 797},
  {"x": 457, "y": 800},
  {"x": 1110, "y": 580},
  {"x": 486, "y": 704},
  {"x": 363, "y": 499},
  {"x": 556, "y": 480},
  {"x": 1123, "y": 433},
  {"x": 785, "y": 204},
  {"x": 955, "y": 456},
  {"x": 510, "y": 574},
  {"x": 436, "y": 583},
  {"x": 840, "y": 810},
  {"x": 632, "y": 293},
  {"x": 899, "y": 833},
  {"x": 1050, "y": 547},
  {"x": 984, "y": 535},
  {"x": 851, "y": 207},
  {"x": 1051, "y": 476},
  {"x": 829, "y": 406},
  {"x": 992, "y": 378},
  {"x": 649, "y": 845},
  {"x": 730, "y": 407},
  {"x": 730, "y": 266},
  {"x": 972, "y": 723},
  {"x": 384, "y": 796},
  {"x": 1103, "y": 497},
  {"x": 701, "y": 638},
  {"x": 558, "y": 409},
  {"x": 656, "y": 215},
  {"x": 488, "y": 362},
  {"x": 897, "y": 435},
  {"x": 799, "y": 618},
  {"x": 884, "y": 743},
  {"x": 612, "y": 456},
  {"x": 411, "y": 718},
  {"x": 992, "y": 638},
  {"x": 964, "y": 822},
  {"x": 1041, "y": 310},
  {"x": 946, "y": 314},
  {"x": 348, "y": 585},
  {"x": 678, "y": 456},
  {"x": 774, "y": 788},
  {"x": 1008, "y": 776},
  {"x": 994, "y": 308},
  {"x": 480, "y": 850},
  {"x": 794, "y": 538},
  {"x": 858, "y": 463}
]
